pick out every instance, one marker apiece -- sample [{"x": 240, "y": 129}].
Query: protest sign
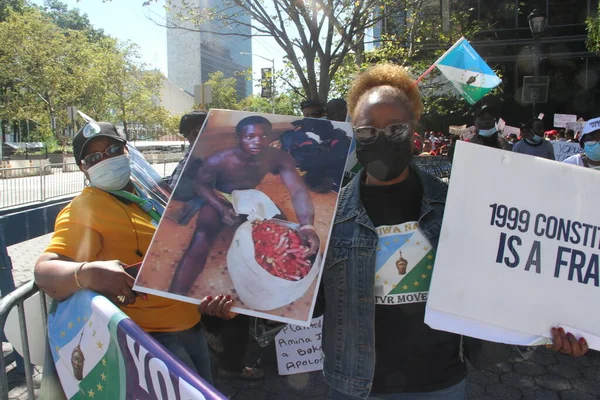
[
  {"x": 541, "y": 116},
  {"x": 501, "y": 124},
  {"x": 576, "y": 127},
  {"x": 251, "y": 215},
  {"x": 564, "y": 150},
  {"x": 456, "y": 129},
  {"x": 101, "y": 353},
  {"x": 561, "y": 120},
  {"x": 298, "y": 348},
  {"x": 505, "y": 255},
  {"x": 508, "y": 130}
]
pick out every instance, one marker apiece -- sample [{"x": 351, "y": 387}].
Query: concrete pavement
[{"x": 544, "y": 376}]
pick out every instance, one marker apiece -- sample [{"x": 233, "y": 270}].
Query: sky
[{"x": 130, "y": 20}]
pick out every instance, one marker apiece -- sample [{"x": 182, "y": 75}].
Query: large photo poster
[{"x": 251, "y": 215}]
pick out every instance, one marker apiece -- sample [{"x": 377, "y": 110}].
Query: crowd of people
[{"x": 371, "y": 350}]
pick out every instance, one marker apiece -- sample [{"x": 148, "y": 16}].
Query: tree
[
  {"x": 285, "y": 104},
  {"x": 45, "y": 67},
  {"x": 73, "y": 19},
  {"x": 315, "y": 35},
  {"x": 131, "y": 90},
  {"x": 224, "y": 93},
  {"x": 42, "y": 68},
  {"x": 593, "y": 28},
  {"x": 415, "y": 38}
]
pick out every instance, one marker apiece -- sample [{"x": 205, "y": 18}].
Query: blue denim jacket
[{"x": 348, "y": 284}]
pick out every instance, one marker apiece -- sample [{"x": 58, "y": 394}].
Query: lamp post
[
  {"x": 272, "y": 61},
  {"x": 537, "y": 25}
]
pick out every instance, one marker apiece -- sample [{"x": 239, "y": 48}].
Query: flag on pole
[{"x": 467, "y": 71}]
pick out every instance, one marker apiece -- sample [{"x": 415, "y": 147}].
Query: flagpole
[{"x": 458, "y": 42}]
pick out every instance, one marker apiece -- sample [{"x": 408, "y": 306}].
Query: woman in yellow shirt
[{"x": 104, "y": 230}]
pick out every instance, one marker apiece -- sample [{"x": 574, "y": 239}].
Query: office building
[{"x": 193, "y": 55}]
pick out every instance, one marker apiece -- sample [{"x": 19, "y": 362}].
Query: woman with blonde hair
[{"x": 380, "y": 259}]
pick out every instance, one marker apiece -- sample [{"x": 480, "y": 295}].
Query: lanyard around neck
[{"x": 145, "y": 204}]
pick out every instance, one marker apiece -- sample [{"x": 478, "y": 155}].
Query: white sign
[
  {"x": 501, "y": 124},
  {"x": 456, "y": 129},
  {"x": 541, "y": 116},
  {"x": 576, "y": 127},
  {"x": 517, "y": 259},
  {"x": 560, "y": 120},
  {"x": 509, "y": 130},
  {"x": 564, "y": 150},
  {"x": 299, "y": 348}
]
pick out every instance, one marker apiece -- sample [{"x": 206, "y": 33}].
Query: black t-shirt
[{"x": 410, "y": 356}]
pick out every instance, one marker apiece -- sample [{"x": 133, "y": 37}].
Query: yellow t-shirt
[{"x": 95, "y": 226}]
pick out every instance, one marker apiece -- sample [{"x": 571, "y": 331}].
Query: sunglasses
[
  {"x": 393, "y": 133},
  {"x": 113, "y": 150}
]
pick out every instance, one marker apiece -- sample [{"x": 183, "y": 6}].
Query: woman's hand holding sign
[
  {"x": 567, "y": 343},
  {"x": 219, "y": 307}
]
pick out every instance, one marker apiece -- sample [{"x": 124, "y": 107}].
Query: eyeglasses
[
  {"x": 316, "y": 114},
  {"x": 592, "y": 142},
  {"x": 394, "y": 133},
  {"x": 113, "y": 150}
]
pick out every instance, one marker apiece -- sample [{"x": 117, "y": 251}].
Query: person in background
[
  {"x": 372, "y": 345},
  {"x": 551, "y": 135},
  {"x": 337, "y": 110},
  {"x": 104, "y": 230},
  {"x": 533, "y": 142},
  {"x": 513, "y": 139},
  {"x": 487, "y": 131},
  {"x": 427, "y": 149},
  {"x": 228, "y": 338},
  {"x": 562, "y": 135},
  {"x": 417, "y": 144},
  {"x": 189, "y": 126},
  {"x": 570, "y": 134},
  {"x": 313, "y": 109},
  {"x": 590, "y": 142}
]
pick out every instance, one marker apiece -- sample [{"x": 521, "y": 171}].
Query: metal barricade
[
  {"x": 438, "y": 166},
  {"x": 20, "y": 186},
  {"x": 61, "y": 180},
  {"x": 8, "y": 302}
]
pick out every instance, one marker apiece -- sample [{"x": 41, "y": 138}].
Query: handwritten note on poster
[{"x": 299, "y": 348}]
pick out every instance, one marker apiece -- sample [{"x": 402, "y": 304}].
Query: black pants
[{"x": 234, "y": 336}]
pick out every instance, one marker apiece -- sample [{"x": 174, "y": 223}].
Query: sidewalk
[
  {"x": 24, "y": 256},
  {"x": 545, "y": 376}
]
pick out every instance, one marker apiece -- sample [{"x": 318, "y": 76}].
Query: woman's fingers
[
  {"x": 220, "y": 306},
  {"x": 203, "y": 304},
  {"x": 556, "y": 340}
]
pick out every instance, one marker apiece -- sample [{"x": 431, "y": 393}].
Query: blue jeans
[
  {"x": 190, "y": 347},
  {"x": 456, "y": 392}
]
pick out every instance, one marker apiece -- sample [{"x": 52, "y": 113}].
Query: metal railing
[
  {"x": 8, "y": 302},
  {"x": 25, "y": 185},
  {"x": 439, "y": 166}
]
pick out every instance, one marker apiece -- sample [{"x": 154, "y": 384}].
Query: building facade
[
  {"x": 562, "y": 55},
  {"x": 193, "y": 55},
  {"x": 507, "y": 45}
]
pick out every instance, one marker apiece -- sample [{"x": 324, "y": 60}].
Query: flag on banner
[
  {"x": 100, "y": 353},
  {"x": 467, "y": 71}
]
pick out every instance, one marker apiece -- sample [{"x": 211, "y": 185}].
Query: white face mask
[{"x": 110, "y": 174}]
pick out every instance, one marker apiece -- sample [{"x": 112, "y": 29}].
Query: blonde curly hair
[{"x": 390, "y": 75}]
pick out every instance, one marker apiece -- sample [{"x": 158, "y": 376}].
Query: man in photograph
[{"x": 240, "y": 168}]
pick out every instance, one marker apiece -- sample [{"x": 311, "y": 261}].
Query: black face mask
[{"x": 385, "y": 160}]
